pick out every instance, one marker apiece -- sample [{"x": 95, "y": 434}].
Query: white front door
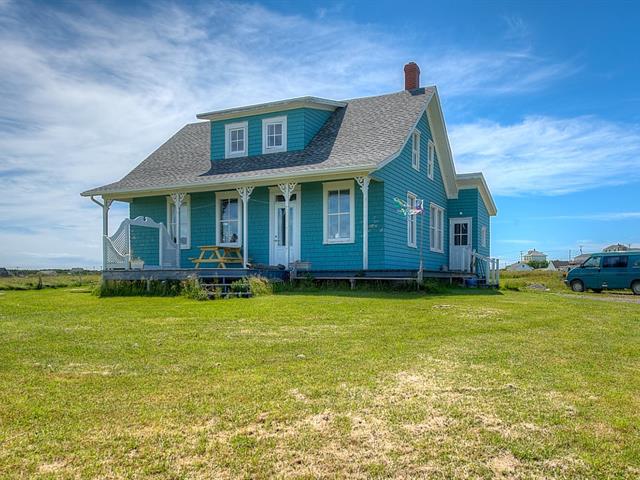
[
  {"x": 460, "y": 242},
  {"x": 279, "y": 242}
]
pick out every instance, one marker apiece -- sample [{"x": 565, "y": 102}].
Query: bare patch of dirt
[{"x": 504, "y": 465}]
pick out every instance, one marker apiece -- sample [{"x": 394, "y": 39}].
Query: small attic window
[
  {"x": 431, "y": 159},
  {"x": 235, "y": 140},
  {"x": 415, "y": 150},
  {"x": 274, "y": 135}
]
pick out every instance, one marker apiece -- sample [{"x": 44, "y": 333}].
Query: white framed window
[
  {"x": 412, "y": 221},
  {"x": 431, "y": 158},
  {"x": 338, "y": 212},
  {"x": 228, "y": 219},
  {"x": 415, "y": 150},
  {"x": 436, "y": 228},
  {"x": 236, "y": 139},
  {"x": 274, "y": 135},
  {"x": 185, "y": 221},
  {"x": 483, "y": 236}
]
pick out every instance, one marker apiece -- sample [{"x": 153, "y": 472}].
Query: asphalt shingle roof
[{"x": 364, "y": 133}]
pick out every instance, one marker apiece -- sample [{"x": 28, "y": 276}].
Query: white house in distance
[
  {"x": 519, "y": 267},
  {"x": 534, "y": 256}
]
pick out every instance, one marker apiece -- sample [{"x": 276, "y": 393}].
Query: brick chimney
[{"x": 411, "y": 76}]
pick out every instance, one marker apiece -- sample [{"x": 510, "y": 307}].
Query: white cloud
[{"x": 548, "y": 156}]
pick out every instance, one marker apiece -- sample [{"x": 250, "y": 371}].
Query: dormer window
[
  {"x": 235, "y": 140},
  {"x": 274, "y": 135}
]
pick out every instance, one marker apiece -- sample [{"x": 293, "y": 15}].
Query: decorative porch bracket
[
  {"x": 287, "y": 190},
  {"x": 106, "y": 204},
  {"x": 245, "y": 193},
  {"x": 178, "y": 199},
  {"x": 363, "y": 182}
]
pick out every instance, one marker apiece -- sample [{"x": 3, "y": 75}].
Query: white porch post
[
  {"x": 245, "y": 193},
  {"x": 363, "y": 182},
  {"x": 178, "y": 198},
  {"x": 287, "y": 190},
  {"x": 106, "y": 204}
]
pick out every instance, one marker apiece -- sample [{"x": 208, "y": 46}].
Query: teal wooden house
[{"x": 364, "y": 187}]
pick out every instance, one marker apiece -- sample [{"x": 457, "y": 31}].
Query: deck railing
[
  {"x": 486, "y": 268},
  {"x": 117, "y": 247}
]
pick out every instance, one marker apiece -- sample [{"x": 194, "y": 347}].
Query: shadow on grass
[{"x": 387, "y": 293}]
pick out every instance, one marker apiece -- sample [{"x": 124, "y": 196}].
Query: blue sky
[{"x": 542, "y": 97}]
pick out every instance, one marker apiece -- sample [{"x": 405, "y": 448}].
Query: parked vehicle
[{"x": 613, "y": 270}]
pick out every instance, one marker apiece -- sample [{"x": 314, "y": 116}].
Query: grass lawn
[{"x": 358, "y": 384}]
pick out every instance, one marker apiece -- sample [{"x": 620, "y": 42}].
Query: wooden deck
[
  {"x": 352, "y": 276},
  {"x": 184, "y": 273}
]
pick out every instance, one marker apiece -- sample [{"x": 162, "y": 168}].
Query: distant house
[
  {"x": 4, "y": 272},
  {"x": 535, "y": 256},
  {"x": 579, "y": 259},
  {"x": 519, "y": 267},
  {"x": 558, "y": 266},
  {"x": 617, "y": 247}
]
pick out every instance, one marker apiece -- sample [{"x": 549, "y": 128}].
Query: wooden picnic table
[{"x": 216, "y": 254}]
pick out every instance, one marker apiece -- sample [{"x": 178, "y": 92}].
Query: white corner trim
[
  {"x": 269, "y": 121},
  {"x": 227, "y": 139},
  {"x": 231, "y": 194},
  {"x": 326, "y": 188}
]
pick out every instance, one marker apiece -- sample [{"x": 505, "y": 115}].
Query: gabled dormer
[{"x": 275, "y": 127}]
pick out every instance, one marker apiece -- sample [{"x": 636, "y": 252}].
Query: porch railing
[
  {"x": 117, "y": 248},
  {"x": 486, "y": 268}
]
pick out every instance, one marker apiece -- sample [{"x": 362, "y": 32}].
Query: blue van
[{"x": 612, "y": 270}]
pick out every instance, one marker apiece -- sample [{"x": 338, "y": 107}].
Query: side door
[
  {"x": 614, "y": 271},
  {"x": 589, "y": 272}
]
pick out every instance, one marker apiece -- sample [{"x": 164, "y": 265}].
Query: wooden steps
[{"x": 223, "y": 289}]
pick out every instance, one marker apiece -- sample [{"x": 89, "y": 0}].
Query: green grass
[
  {"x": 33, "y": 281},
  {"x": 324, "y": 384}
]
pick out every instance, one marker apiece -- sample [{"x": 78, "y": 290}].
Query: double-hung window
[
  {"x": 338, "y": 206},
  {"x": 431, "y": 159},
  {"x": 228, "y": 219},
  {"x": 436, "y": 228},
  {"x": 185, "y": 221},
  {"x": 415, "y": 150},
  {"x": 483, "y": 236},
  {"x": 412, "y": 220},
  {"x": 274, "y": 135},
  {"x": 236, "y": 140}
]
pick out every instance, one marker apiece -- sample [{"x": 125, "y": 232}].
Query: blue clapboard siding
[
  {"x": 400, "y": 177},
  {"x": 483, "y": 219},
  {"x": 144, "y": 240},
  {"x": 470, "y": 204},
  {"x": 259, "y": 226},
  {"x": 302, "y": 126},
  {"x": 376, "y": 225},
  {"x": 327, "y": 256}
]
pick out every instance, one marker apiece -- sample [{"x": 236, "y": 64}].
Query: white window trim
[
  {"x": 326, "y": 188},
  {"x": 437, "y": 208},
  {"x": 483, "y": 236},
  {"x": 412, "y": 219},
  {"x": 224, "y": 196},
  {"x": 227, "y": 139},
  {"x": 431, "y": 159},
  {"x": 265, "y": 123},
  {"x": 187, "y": 203},
  {"x": 415, "y": 150}
]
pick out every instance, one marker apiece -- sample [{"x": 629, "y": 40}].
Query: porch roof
[{"x": 359, "y": 136}]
